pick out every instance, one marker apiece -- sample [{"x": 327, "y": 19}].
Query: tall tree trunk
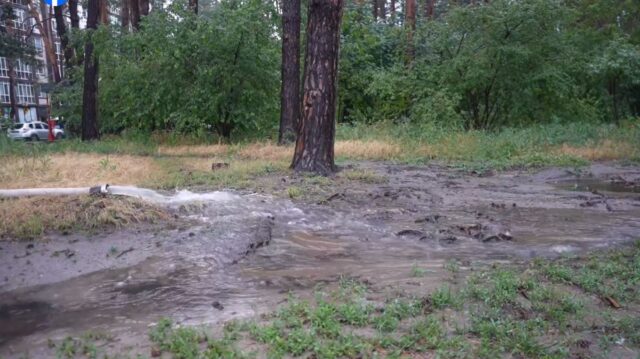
[
  {"x": 45, "y": 31},
  {"x": 124, "y": 14},
  {"x": 393, "y": 9},
  {"x": 10, "y": 31},
  {"x": 613, "y": 86},
  {"x": 410, "y": 25},
  {"x": 144, "y": 7},
  {"x": 47, "y": 15},
  {"x": 382, "y": 11},
  {"x": 290, "y": 90},
  {"x": 314, "y": 147},
  {"x": 134, "y": 11},
  {"x": 73, "y": 13},
  {"x": 193, "y": 5},
  {"x": 90, "y": 90},
  {"x": 104, "y": 12},
  {"x": 61, "y": 27},
  {"x": 429, "y": 9},
  {"x": 374, "y": 4},
  {"x": 12, "y": 89}
]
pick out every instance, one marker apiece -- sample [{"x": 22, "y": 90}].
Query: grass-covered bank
[
  {"x": 565, "y": 308},
  {"x": 532, "y": 146},
  {"x": 162, "y": 161},
  {"x": 34, "y": 217}
]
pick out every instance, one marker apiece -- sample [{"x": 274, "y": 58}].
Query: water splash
[{"x": 182, "y": 196}]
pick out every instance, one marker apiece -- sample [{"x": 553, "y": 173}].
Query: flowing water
[{"x": 246, "y": 252}]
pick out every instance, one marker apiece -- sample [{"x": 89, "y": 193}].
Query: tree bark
[
  {"x": 104, "y": 12},
  {"x": 144, "y": 7},
  {"x": 61, "y": 27},
  {"x": 314, "y": 147},
  {"x": 393, "y": 9},
  {"x": 12, "y": 90},
  {"x": 429, "y": 9},
  {"x": 290, "y": 90},
  {"x": 13, "y": 112},
  {"x": 134, "y": 11},
  {"x": 410, "y": 25},
  {"x": 193, "y": 5},
  {"x": 382, "y": 11},
  {"x": 90, "y": 89},
  {"x": 124, "y": 14},
  {"x": 73, "y": 13},
  {"x": 374, "y": 3}
]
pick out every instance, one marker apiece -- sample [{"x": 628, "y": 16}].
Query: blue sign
[{"x": 55, "y": 2}]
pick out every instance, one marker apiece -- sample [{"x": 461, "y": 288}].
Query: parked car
[{"x": 33, "y": 131}]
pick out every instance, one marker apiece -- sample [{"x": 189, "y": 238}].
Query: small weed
[
  {"x": 324, "y": 320},
  {"x": 294, "y": 192},
  {"x": 67, "y": 349},
  {"x": 318, "y": 180},
  {"x": 113, "y": 250},
  {"x": 417, "y": 271},
  {"x": 355, "y": 314},
  {"x": 365, "y": 176},
  {"x": 443, "y": 297},
  {"x": 452, "y": 266},
  {"x": 106, "y": 164}
]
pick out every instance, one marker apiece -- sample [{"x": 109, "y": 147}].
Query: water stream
[{"x": 247, "y": 251}]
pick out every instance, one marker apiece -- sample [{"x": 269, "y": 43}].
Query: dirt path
[{"x": 241, "y": 257}]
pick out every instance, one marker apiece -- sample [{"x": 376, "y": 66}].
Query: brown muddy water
[{"x": 244, "y": 252}]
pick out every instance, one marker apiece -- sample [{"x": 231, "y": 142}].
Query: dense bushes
[
  {"x": 503, "y": 63},
  {"x": 215, "y": 73},
  {"x": 496, "y": 64}
]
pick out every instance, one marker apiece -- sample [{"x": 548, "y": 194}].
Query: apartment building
[{"x": 32, "y": 80}]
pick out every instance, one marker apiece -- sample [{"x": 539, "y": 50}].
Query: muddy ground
[{"x": 241, "y": 253}]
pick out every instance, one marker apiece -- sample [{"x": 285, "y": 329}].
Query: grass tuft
[{"x": 30, "y": 218}]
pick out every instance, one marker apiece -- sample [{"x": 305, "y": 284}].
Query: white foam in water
[
  {"x": 180, "y": 197},
  {"x": 562, "y": 249}
]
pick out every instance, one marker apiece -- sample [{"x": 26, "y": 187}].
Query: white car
[{"x": 33, "y": 131}]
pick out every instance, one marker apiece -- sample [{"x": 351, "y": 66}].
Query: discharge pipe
[
  {"x": 129, "y": 191},
  {"x": 29, "y": 192}
]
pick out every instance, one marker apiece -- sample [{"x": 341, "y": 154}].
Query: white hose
[
  {"x": 129, "y": 191},
  {"x": 28, "y": 192}
]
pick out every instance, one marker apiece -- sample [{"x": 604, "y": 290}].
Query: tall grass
[
  {"x": 109, "y": 145},
  {"x": 570, "y": 144},
  {"x": 537, "y": 145}
]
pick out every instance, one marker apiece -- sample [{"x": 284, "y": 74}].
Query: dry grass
[
  {"x": 367, "y": 150},
  {"x": 28, "y": 218},
  {"x": 195, "y": 150},
  {"x": 456, "y": 147},
  {"x": 269, "y": 151},
  {"x": 184, "y": 166},
  {"x": 604, "y": 151},
  {"x": 266, "y": 151},
  {"x": 76, "y": 170}
]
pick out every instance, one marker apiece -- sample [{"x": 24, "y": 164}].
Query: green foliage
[
  {"x": 214, "y": 73},
  {"x": 617, "y": 277},
  {"x": 494, "y": 65},
  {"x": 502, "y": 63}
]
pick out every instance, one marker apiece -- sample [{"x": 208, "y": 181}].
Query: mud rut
[{"x": 244, "y": 253}]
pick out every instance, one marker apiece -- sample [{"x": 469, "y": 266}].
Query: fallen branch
[{"x": 125, "y": 252}]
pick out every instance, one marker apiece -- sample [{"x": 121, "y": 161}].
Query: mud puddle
[
  {"x": 244, "y": 253},
  {"x": 598, "y": 185}
]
